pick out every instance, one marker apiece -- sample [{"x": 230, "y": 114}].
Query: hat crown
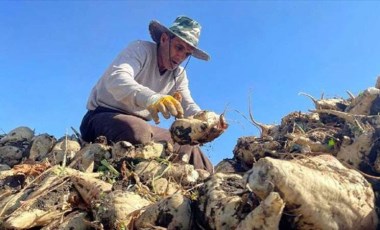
[{"x": 187, "y": 28}]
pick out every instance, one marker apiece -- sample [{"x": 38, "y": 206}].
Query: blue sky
[{"x": 53, "y": 52}]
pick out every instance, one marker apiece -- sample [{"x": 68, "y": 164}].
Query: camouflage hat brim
[{"x": 156, "y": 29}]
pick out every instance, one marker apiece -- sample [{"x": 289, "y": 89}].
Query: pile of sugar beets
[{"x": 315, "y": 170}]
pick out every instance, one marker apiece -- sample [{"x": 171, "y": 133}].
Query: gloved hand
[{"x": 165, "y": 104}]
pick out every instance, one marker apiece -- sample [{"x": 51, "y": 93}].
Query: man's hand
[{"x": 165, "y": 104}]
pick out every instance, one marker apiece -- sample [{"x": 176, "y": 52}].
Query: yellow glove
[{"x": 165, "y": 104}]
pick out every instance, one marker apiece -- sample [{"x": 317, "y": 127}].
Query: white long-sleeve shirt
[{"x": 133, "y": 77}]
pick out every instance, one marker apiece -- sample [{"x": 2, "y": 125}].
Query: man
[{"x": 139, "y": 85}]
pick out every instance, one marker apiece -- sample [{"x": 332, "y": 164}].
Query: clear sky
[{"x": 53, "y": 52}]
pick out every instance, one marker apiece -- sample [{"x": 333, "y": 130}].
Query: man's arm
[
  {"x": 120, "y": 79},
  {"x": 121, "y": 84}
]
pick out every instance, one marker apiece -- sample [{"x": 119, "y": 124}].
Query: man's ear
[{"x": 164, "y": 37}]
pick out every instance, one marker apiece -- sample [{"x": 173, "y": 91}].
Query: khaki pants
[{"x": 117, "y": 126}]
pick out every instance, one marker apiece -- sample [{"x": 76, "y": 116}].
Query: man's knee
[{"x": 133, "y": 129}]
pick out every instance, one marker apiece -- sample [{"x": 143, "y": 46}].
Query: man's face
[{"x": 179, "y": 51}]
